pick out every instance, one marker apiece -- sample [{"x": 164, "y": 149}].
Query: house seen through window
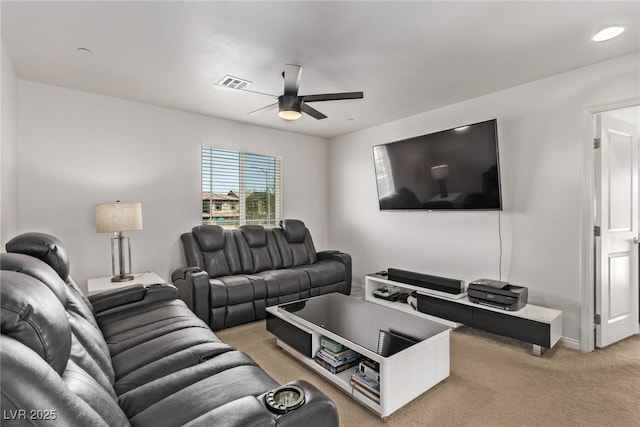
[{"x": 240, "y": 188}]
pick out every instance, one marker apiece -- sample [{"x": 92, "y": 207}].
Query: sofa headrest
[
  {"x": 33, "y": 315},
  {"x": 44, "y": 247},
  {"x": 209, "y": 237},
  {"x": 255, "y": 235},
  {"x": 38, "y": 269},
  {"x": 294, "y": 230}
]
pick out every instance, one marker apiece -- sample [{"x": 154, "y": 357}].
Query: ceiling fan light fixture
[
  {"x": 289, "y": 107},
  {"x": 289, "y": 114}
]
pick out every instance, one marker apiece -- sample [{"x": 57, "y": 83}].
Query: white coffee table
[{"x": 299, "y": 327}]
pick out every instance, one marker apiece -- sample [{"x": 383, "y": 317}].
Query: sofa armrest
[
  {"x": 193, "y": 288},
  {"x": 181, "y": 273},
  {"x": 137, "y": 294},
  {"x": 317, "y": 411},
  {"x": 345, "y": 259}
]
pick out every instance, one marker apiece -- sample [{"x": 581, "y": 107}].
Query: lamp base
[{"x": 120, "y": 254}]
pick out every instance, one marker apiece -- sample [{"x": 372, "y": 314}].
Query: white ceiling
[{"x": 407, "y": 57}]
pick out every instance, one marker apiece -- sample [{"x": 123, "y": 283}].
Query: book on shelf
[
  {"x": 335, "y": 369},
  {"x": 337, "y": 357},
  {"x": 330, "y": 344},
  {"x": 371, "y": 363},
  {"x": 365, "y": 391},
  {"x": 368, "y": 371},
  {"x": 366, "y": 382},
  {"x": 355, "y": 358}
]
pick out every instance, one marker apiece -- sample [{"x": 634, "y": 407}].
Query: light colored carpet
[{"x": 494, "y": 382}]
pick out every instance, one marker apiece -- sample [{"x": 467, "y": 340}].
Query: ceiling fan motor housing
[{"x": 289, "y": 103}]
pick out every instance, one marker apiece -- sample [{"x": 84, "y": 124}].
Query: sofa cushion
[
  {"x": 295, "y": 254},
  {"x": 29, "y": 382},
  {"x": 33, "y": 315},
  {"x": 213, "y": 249},
  {"x": 325, "y": 272},
  {"x": 294, "y": 230},
  {"x": 173, "y": 363},
  {"x": 205, "y": 386},
  {"x": 141, "y": 338},
  {"x": 253, "y": 249},
  {"x": 44, "y": 247},
  {"x": 285, "y": 285},
  {"x": 90, "y": 352},
  {"x": 137, "y": 335},
  {"x": 209, "y": 237},
  {"x": 255, "y": 235},
  {"x": 49, "y": 250},
  {"x": 83, "y": 385},
  {"x": 165, "y": 345},
  {"x": 242, "y": 412},
  {"x": 37, "y": 269},
  {"x": 121, "y": 327},
  {"x": 229, "y": 290}
]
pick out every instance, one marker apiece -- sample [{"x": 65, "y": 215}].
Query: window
[{"x": 240, "y": 188}]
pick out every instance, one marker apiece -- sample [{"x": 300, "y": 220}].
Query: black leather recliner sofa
[
  {"x": 133, "y": 356},
  {"x": 233, "y": 275}
]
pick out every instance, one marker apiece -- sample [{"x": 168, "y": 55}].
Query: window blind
[{"x": 240, "y": 188}]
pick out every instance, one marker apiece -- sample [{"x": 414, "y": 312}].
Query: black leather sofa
[
  {"x": 135, "y": 356},
  {"x": 233, "y": 275}
]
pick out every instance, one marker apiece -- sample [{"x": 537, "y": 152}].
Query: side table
[{"x": 103, "y": 284}]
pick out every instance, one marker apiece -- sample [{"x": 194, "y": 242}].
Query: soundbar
[{"x": 442, "y": 284}]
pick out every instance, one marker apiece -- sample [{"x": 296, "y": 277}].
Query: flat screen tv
[{"x": 451, "y": 169}]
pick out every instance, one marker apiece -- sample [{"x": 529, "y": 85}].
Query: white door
[{"x": 617, "y": 216}]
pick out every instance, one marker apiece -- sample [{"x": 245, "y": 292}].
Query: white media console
[{"x": 540, "y": 326}]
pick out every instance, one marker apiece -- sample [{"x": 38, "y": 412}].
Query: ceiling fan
[{"x": 291, "y": 105}]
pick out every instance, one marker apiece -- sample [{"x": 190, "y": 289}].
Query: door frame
[{"x": 587, "y": 218}]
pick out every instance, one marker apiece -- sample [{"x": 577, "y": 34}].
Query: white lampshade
[
  {"x": 114, "y": 217},
  {"x": 440, "y": 172}
]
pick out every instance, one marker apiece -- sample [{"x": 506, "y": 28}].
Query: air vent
[{"x": 233, "y": 82}]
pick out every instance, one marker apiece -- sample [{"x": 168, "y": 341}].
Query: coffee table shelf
[
  {"x": 341, "y": 379},
  {"x": 403, "y": 375}
]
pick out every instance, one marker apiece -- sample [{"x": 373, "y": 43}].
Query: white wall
[
  {"x": 8, "y": 141},
  {"x": 540, "y": 131},
  {"x": 78, "y": 149}
]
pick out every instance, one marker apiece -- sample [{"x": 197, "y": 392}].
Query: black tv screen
[{"x": 451, "y": 169}]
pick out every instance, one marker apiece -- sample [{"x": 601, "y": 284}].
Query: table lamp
[{"x": 116, "y": 218}]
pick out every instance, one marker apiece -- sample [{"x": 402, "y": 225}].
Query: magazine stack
[
  {"x": 366, "y": 379},
  {"x": 335, "y": 357}
]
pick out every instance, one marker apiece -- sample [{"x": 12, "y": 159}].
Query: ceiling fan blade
[
  {"x": 268, "y": 107},
  {"x": 312, "y": 111},
  {"x": 259, "y": 93},
  {"x": 332, "y": 96},
  {"x": 292, "y": 74}
]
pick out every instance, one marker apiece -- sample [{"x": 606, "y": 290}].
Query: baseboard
[{"x": 570, "y": 343}]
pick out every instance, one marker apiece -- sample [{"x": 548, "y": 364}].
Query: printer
[{"x": 497, "y": 294}]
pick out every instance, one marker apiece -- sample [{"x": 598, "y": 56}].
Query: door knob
[{"x": 636, "y": 240}]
